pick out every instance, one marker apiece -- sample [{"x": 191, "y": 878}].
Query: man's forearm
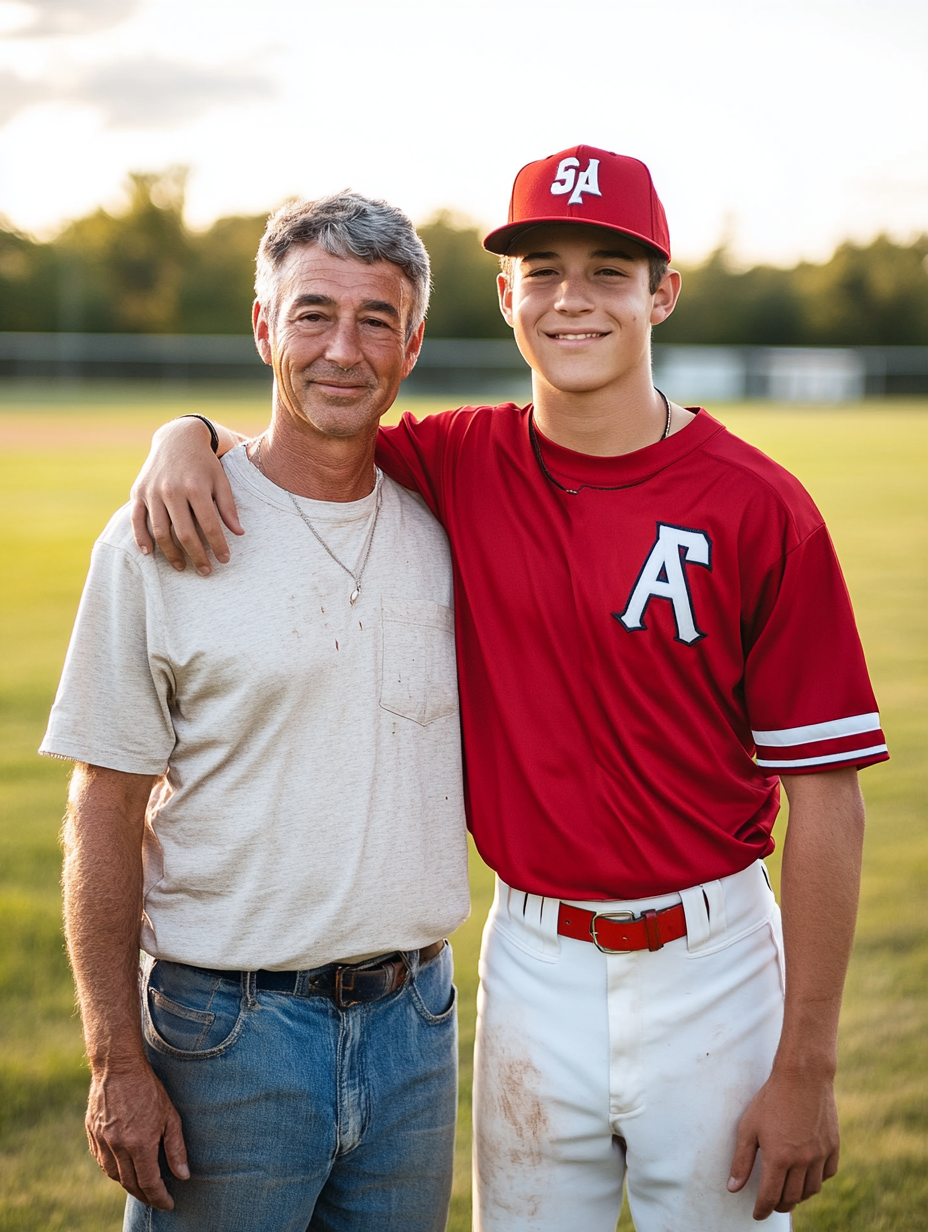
[
  {"x": 103, "y": 906},
  {"x": 129, "y": 1114},
  {"x": 819, "y": 891}
]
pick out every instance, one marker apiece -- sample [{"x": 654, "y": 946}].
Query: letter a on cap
[{"x": 587, "y": 182}]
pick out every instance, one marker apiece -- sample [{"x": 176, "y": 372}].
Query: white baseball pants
[{"x": 589, "y": 1065}]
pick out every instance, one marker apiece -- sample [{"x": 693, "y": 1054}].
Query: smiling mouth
[
  {"x": 346, "y": 388},
  {"x": 565, "y": 337}
]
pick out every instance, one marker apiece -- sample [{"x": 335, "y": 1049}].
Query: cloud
[
  {"x": 16, "y": 93},
  {"x": 153, "y": 93},
  {"x": 143, "y": 93},
  {"x": 72, "y": 17}
]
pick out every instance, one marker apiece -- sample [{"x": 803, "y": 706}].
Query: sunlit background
[
  {"x": 142, "y": 143},
  {"x": 782, "y": 126}
]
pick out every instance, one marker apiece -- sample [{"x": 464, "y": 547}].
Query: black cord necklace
[{"x": 593, "y": 487}]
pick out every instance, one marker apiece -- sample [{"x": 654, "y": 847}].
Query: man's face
[
  {"x": 580, "y": 305},
  {"x": 338, "y": 345}
]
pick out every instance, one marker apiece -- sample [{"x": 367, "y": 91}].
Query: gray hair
[{"x": 345, "y": 225}]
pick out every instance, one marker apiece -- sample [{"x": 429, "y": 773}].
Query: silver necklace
[
  {"x": 593, "y": 487},
  {"x": 358, "y": 572}
]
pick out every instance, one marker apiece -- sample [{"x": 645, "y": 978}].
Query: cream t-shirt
[{"x": 311, "y": 807}]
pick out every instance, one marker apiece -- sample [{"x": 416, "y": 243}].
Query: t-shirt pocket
[{"x": 419, "y": 678}]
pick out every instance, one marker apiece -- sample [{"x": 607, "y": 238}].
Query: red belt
[{"x": 617, "y": 932}]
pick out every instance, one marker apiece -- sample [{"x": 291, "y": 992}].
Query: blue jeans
[{"x": 299, "y": 1116}]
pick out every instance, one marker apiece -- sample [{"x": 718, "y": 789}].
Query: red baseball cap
[{"x": 584, "y": 184}]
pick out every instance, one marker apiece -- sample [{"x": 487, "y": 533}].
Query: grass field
[{"x": 67, "y": 459}]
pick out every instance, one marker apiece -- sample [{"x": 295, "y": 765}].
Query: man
[
  {"x": 652, "y": 627},
  {"x": 268, "y": 796}
]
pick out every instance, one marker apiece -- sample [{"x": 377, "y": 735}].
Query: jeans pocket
[
  {"x": 187, "y": 1028},
  {"x": 433, "y": 992},
  {"x": 418, "y": 673},
  {"x": 189, "y": 1013}
]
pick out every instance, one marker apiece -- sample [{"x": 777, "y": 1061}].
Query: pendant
[{"x": 354, "y": 594}]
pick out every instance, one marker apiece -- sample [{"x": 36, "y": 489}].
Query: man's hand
[
  {"x": 793, "y": 1121},
  {"x": 182, "y": 496},
  {"x": 128, "y": 1116}
]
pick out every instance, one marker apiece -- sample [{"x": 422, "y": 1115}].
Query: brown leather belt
[
  {"x": 346, "y": 983},
  {"x": 618, "y": 932},
  {"x": 357, "y": 985}
]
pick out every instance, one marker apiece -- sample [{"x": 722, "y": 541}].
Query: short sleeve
[
  {"x": 112, "y": 706},
  {"x": 418, "y": 454},
  {"x": 807, "y": 691}
]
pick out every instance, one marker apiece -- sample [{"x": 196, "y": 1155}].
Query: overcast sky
[{"x": 783, "y": 125}]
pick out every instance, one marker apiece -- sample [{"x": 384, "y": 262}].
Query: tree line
[{"x": 145, "y": 271}]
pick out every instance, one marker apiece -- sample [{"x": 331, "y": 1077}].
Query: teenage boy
[{"x": 652, "y": 630}]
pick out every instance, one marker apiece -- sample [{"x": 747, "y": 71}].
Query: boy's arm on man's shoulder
[
  {"x": 182, "y": 497},
  {"x": 793, "y": 1119}
]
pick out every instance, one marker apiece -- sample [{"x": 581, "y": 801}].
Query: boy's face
[{"x": 579, "y": 303}]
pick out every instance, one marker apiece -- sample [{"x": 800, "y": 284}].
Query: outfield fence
[{"x": 487, "y": 366}]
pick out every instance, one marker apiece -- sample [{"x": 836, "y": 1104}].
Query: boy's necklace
[{"x": 595, "y": 487}]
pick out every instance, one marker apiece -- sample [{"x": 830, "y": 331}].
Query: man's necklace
[
  {"x": 358, "y": 571},
  {"x": 594, "y": 487}
]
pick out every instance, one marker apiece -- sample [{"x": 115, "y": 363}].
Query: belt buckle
[
  {"x": 608, "y": 915},
  {"x": 342, "y": 1002},
  {"x": 345, "y": 982}
]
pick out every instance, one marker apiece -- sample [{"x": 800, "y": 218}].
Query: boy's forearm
[
  {"x": 819, "y": 892},
  {"x": 191, "y": 427},
  {"x": 227, "y": 439}
]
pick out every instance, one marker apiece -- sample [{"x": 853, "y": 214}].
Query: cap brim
[{"x": 500, "y": 240}]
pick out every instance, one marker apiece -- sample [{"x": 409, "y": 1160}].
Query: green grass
[{"x": 68, "y": 457}]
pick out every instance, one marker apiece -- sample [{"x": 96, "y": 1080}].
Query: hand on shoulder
[{"x": 182, "y": 497}]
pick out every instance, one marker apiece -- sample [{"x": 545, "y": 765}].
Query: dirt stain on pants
[{"x": 511, "y": 1125}]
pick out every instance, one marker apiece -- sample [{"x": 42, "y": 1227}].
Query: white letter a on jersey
[{"x": 664, "y": 577}]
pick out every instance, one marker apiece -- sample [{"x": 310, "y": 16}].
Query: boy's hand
[
  {"x": 182, "y": 497},
  {"x": 792, "y": 1120},
  {"x": 794, "y": 1123}
]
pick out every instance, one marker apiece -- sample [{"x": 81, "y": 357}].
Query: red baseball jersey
[{"x": 638, "y": 665}]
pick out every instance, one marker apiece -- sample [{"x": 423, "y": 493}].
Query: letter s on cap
[{"x": 566, "y": 174}]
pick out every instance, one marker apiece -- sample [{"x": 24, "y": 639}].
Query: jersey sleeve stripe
[
  {"x": 855, "y": 725},
  {"x": 824, "y": 749},
  {"x": 852, "y": 755}
]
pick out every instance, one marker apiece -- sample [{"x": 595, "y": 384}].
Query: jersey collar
[{"x": 577, "y": 469}]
